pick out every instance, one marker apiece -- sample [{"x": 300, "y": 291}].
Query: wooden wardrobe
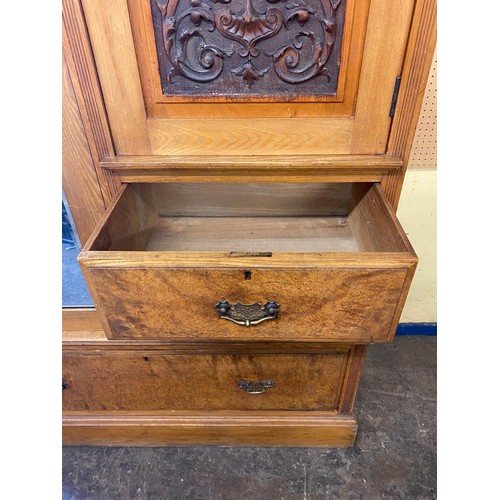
[{"x": 233, "y": 168}]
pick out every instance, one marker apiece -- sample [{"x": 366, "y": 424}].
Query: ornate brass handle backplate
[
  {"x": 247, "y": 314},
  {"x": 254, "y": 387}
]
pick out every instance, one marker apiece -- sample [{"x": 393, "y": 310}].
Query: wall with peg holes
[{"x": 418, "y": 206}]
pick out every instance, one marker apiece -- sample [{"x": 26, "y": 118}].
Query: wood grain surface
[
  {"x": 258, "y": 136},
  {"x": 387, "y": 33},
  {"x": 85, "y": 80},
  {"x": 79, "y": 179},
  {"x": 253, "y": 234},
  {"x": 164, "y": 106},
  {"x": 321, "y": 161},
  {"x": 351, "y": 381},
  {"x": 128, "y": 223},
  {"x": 110, "y": 33},
  {"x": 155, "y": 380},
  {"x": 250, "y": 199},
  {"x": 241, "y": 169},
  {"x": 169, "y": 289},
  {"x": 85, "y": 348},
  {"x": 344, "y": 305},
  {"x": 214, "y": 428},
  {"x": 418, "y": 59},
  {"x": 373, "y": 222},
  {"x": 292, "y": 143}
]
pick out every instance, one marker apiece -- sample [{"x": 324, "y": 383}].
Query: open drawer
[{"x": 269, "y": 261}]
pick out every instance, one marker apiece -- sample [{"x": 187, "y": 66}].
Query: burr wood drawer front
[
  {"x": 325, "y": 262},
  {"x": 147, "y": 380},
  {"x": 345, "y": 305}
]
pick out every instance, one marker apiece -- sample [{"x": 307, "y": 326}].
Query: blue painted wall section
[{"x": 429, "y": 329}]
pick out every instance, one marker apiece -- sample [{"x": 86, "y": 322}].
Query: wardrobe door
[{"x": 248, "y": 77}]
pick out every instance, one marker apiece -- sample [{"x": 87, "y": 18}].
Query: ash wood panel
[
  {"x": 380, "y": 195},
  {"x": 387, "y": 33},
  {"x": 402, "y": 299},
  {"x": 85, "y": 81},
  {"x": 80, "y": 320},
  {"x": 392, "y": 183},
  {"x": 343, "y": 305},
  {"x": 419, "y": 56},
  {"x": 351, "y": 381},
  {"x": 155, "y": 380},
  {"x": 420, "y": 52},
  {"x": 253, "y": 234},
  {"x": 79, "y": 178},
  {"x": 129, "y": 222},
  {"x": 251, "y": 110},
  {"x": 251, "y": 429},
  {"x": 114, "y": 52},
  {"x": 371, "y": 222},
  {"x": 250, "y": 199},
  {"x": 250, "y": 137}
]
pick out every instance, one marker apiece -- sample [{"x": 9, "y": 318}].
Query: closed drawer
[
  {"x": 146, "y": 380},
  {"x": 292, "y": 262}
]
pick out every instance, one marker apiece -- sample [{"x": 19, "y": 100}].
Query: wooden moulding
[
  {"x": 415, "y": 71},
  {"x": 262, "y": 168},
  {"x": 80, "y": 182},
  {"x": 214, "y": 428},
  {"x": 85, "y": 82}
]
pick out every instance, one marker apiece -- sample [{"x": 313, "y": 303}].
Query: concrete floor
[{"x": 394, "y": 456}]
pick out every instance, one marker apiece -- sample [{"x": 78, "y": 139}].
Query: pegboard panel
[{"x": 424, "y": 149}]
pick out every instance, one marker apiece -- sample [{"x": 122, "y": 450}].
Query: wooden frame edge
[
  {"x": 143, "y": 35},
  {"x": 179, "y": 162},
  {"x": 416, "y": 66},
  {"x": 350, "y": 388},
  {"x": 266, "y": 168},
  {"x": 306, "y": 430},
  {"x": 85, "y": 80}
]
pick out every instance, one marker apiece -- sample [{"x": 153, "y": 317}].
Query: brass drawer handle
[
  {"x": 254, "y": 387},
  {"x": 247, "y": 314}
]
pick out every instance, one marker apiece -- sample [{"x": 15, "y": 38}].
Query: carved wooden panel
[{"x": 241, "y": 48}]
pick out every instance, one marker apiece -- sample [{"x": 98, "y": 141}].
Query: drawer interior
[{"x": 250, "y": 217}]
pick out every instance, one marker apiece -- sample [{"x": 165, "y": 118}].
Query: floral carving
[
  {"x": 176, "y": 41},
  {"x": 287, "y": 58},
  {"x": 249, "y": 72},
  {"x": 284, "y": 41},
  {"x": 249, "y": 27}
]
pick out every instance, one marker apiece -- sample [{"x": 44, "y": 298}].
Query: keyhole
[{"x": 248, "y": 275}]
